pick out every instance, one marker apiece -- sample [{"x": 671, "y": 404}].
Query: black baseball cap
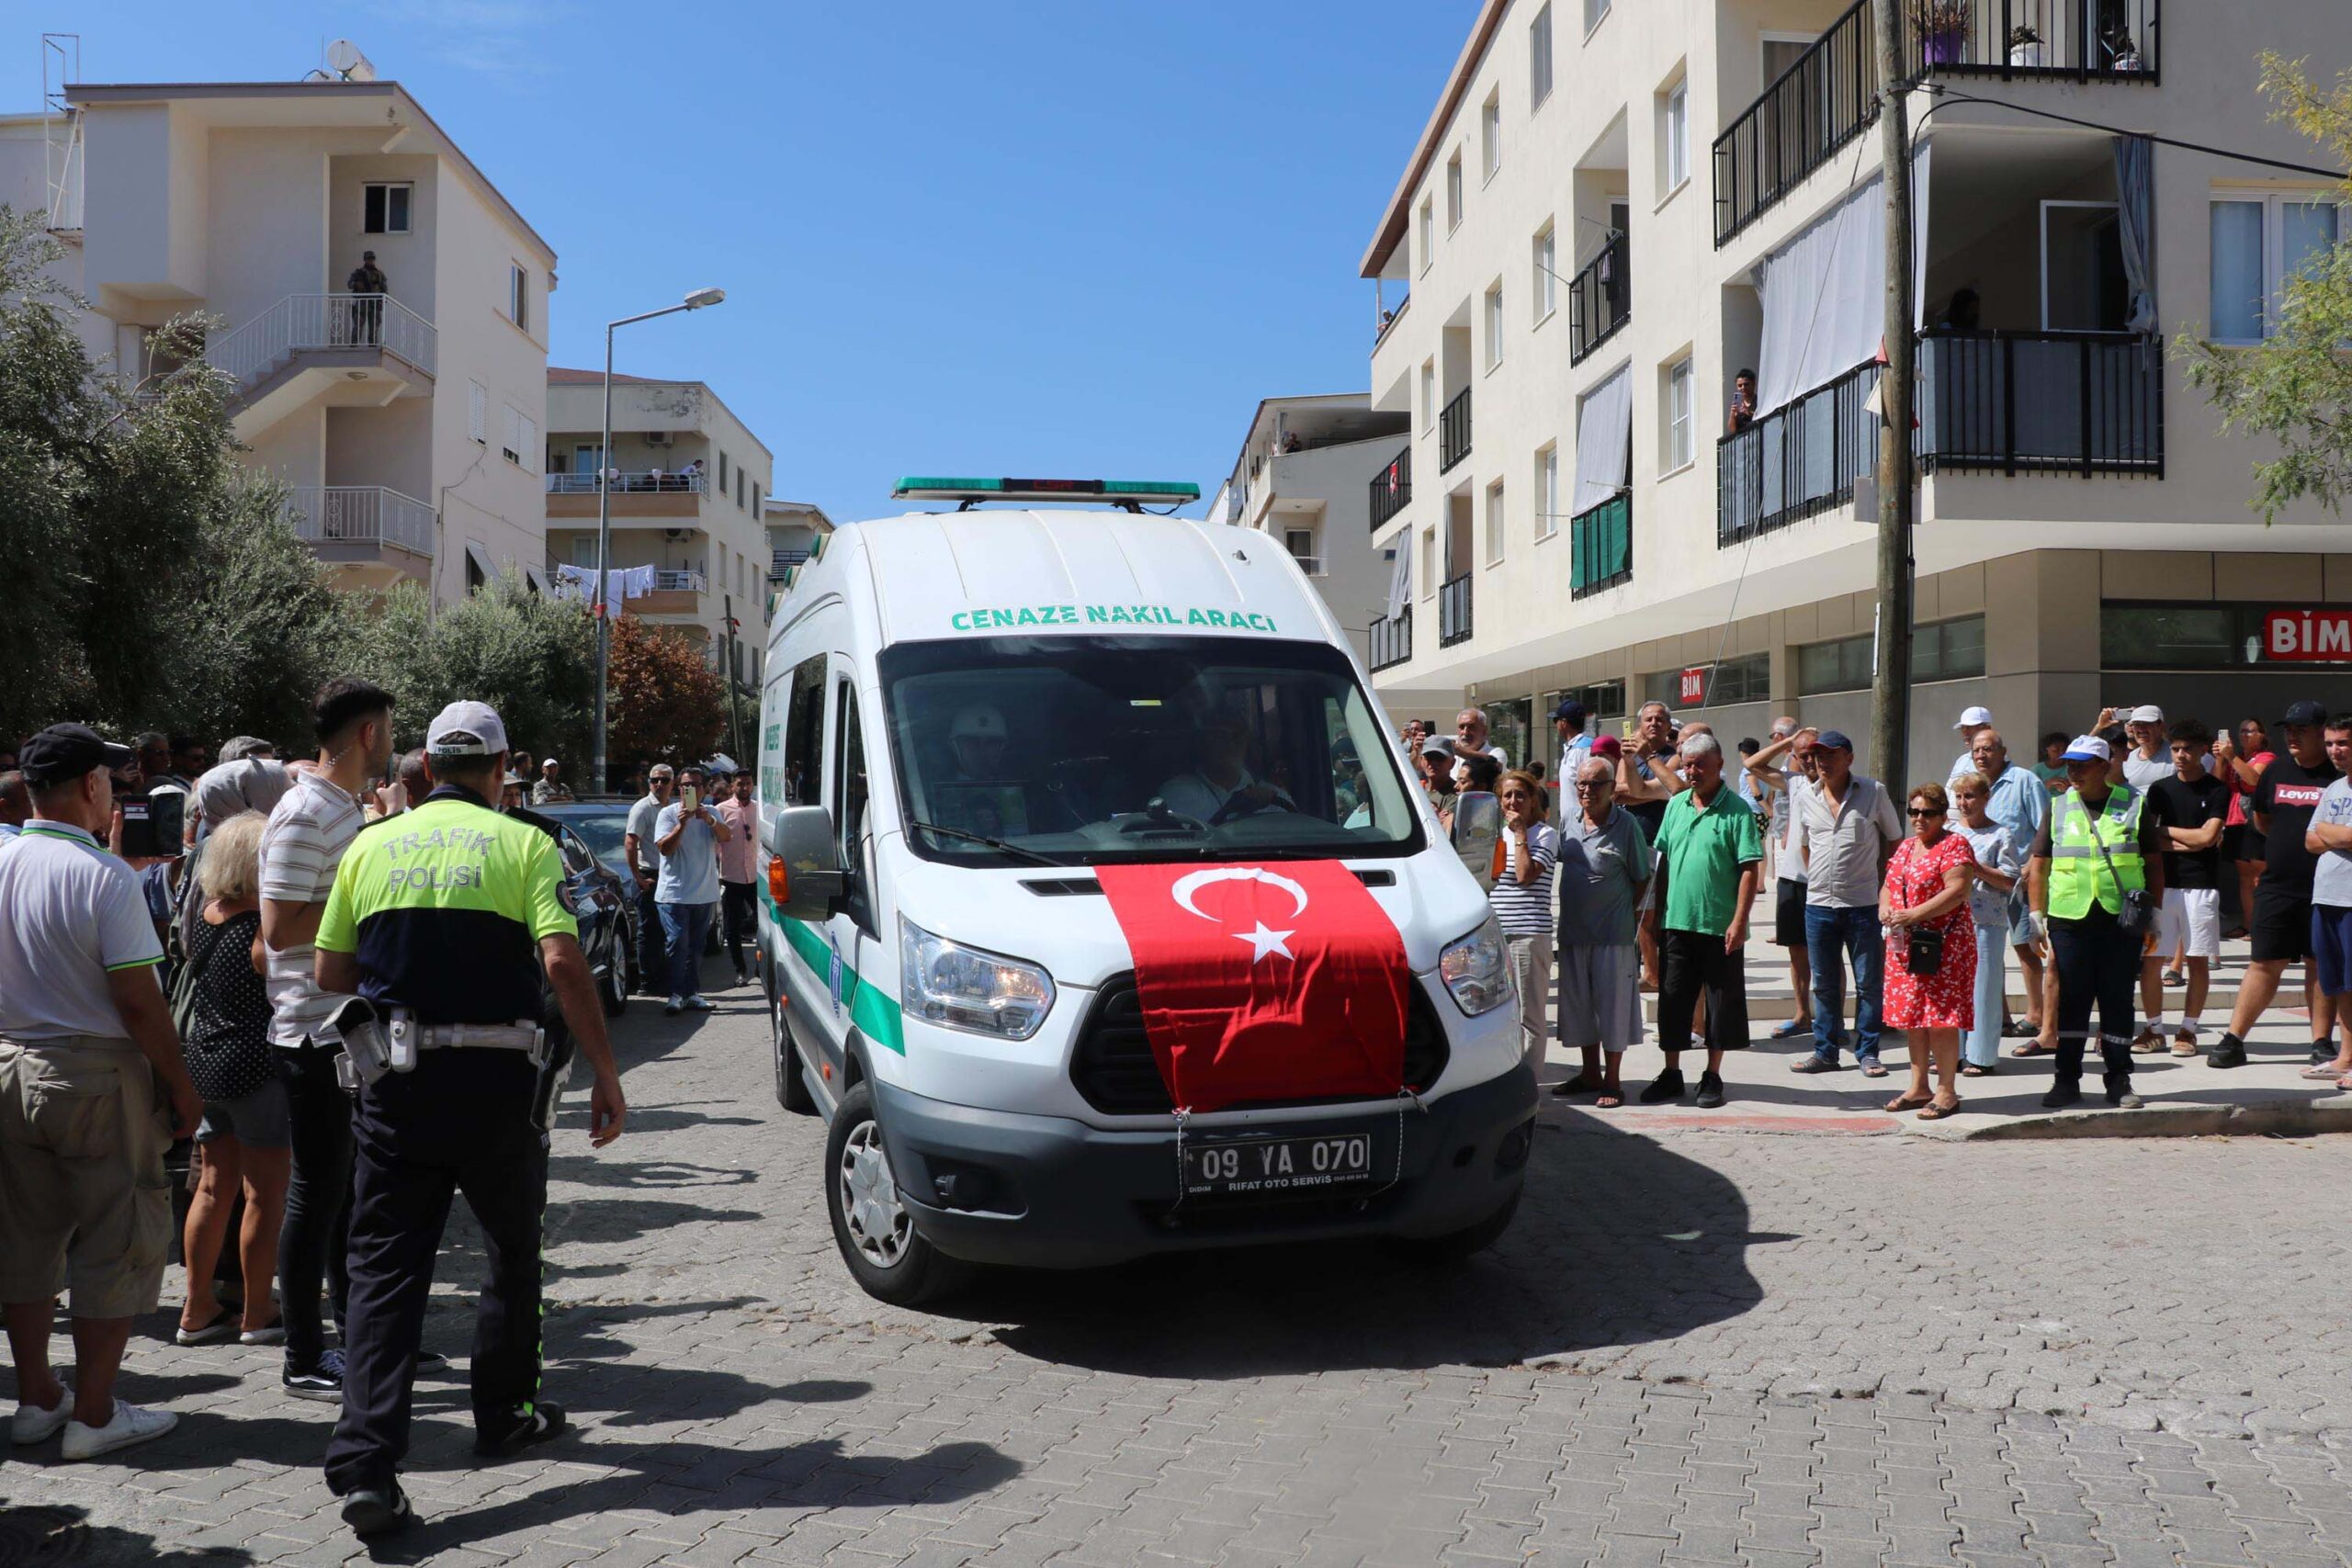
[
  {"x": 64, "y": 752},
  {"x": 2305, "y": 711},
  {"x": 1569, "y": 709}
]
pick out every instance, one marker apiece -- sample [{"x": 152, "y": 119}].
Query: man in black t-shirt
[
  {"x": 2193, "y": 807},
  {"x": 2281, "y": 805}
]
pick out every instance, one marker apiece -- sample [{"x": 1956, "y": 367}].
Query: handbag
[
  {"x": 2139, "y": 912},
  {"x": 1922, "y": 950}
]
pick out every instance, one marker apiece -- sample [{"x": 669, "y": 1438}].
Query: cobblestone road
[{"x": 1700, "y": 1347}]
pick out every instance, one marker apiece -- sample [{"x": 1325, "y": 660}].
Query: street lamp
[{"x": 701, "y": 299}]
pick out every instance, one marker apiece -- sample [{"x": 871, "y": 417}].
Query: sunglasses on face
[{"x": 1918, "y": 811}]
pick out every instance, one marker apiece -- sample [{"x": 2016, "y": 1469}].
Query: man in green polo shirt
[{"x": 1710, "y": 854}]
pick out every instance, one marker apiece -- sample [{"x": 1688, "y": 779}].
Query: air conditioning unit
[{"x": 659, "y": 438}]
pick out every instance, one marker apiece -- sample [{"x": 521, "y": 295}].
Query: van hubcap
[{"x": 877, "y": 1221}]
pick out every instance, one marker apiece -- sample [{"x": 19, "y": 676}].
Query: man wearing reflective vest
[
  {"x": 2097, "y": 846},
  {"x": 438, "y": 923}
]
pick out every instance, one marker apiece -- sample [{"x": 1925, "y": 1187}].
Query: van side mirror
[
  {"x": 805, "y": 865},
  {"x": 1477, "y": 830}
]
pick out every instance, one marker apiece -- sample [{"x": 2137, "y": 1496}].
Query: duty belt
[{"x": 492, "y": 1036}]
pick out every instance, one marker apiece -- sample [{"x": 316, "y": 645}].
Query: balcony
[
  {"x": 2014, "y": 402},
  {"x": 1392, "y": 488},
  {"x": 1601, "y": 300},
  {"x": 782, "y": 560},
  {"x": 360, "y": 525},
  {"x": 342, "y": 348},
  {"x": 1601, "y": 547},
  {"x": 1798, "y": 460},
  {"x": 1453, "y": 434},
  {"x": 1392, "y": 640},
  {"x": 650, "y": 494},
  {"x": 1453, "y": 611},
  {"x": 1829, "y": 95}
]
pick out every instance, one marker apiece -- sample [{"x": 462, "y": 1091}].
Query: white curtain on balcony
[
  {"x": 2136, "y": 225},
  {"x": 1604, "y": 436},
  {"x": 1400, "y": 576},
  {"x": 1824, "y": 293}
]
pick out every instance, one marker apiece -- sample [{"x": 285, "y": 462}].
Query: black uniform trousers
[
  {"x": 2098, "y": 962},
  {"x": 459, "y": 1123}
]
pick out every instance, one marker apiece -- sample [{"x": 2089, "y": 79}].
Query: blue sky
[{"x": 1078, "y": 237}]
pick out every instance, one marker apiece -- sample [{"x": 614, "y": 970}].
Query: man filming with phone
[{"x": 687, "y": 834}]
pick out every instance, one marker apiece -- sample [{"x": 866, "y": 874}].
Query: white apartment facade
[
  {"x": 1307, "y": 475},
  {"x": 405, "y": 423},
  {"x": 1615, "y": 208},
  {"x": 689, "y": 488}
]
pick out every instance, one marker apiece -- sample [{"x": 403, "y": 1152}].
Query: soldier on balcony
[{"x": 368, "y": 281}]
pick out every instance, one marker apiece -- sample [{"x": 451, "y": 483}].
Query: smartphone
[
  {"x": 153, "y": 824},
  {"x": 689, "y": 800}
]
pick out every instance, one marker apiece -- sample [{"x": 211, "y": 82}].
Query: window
[
  {"x": 722, "y": 471},
  {"x": 1677, "y": 415},
  {"x": 1949, "y": 650},
  {"x": 1453, "y": 193},
  {"x": 1428, "y": 563},
  {"x": 1602, "y": 699},
  {"x": 1429, "y": 396},
  {"x": 1593, "y": 11},
  {"x": 738, "y": 486},
  {"x": 804, "y": 732},
  {"x": 1746, "y": 678},
  {"x": 1548, "y": 493},
  {"x": 1494, "y": 523},
  {"x": 755, "y": 498},
  {"x": 2260, "y": 242},
  {"x": 384, "y": 207},
  {"x": 2196, "y": 636},
  {"x": 1841, "y": 666},
  {"x": 477, "y": 413},
  {"x": 1547, "y": 269},
  {"x": 584, "y": 551},
  {"x": 1493, "y": 326},
  {"x": 1429, "y": 232},
  {"x": 1300, "y": 542},
  {"x": 1674, "y": 135},
  {"x": 511, "y": 434},
  {"x": 1490, "y": 137},
  {"x": 1539, "y": 58}
]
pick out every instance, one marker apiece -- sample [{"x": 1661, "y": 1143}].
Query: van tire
[
  {"x": 917, "y": 1271},
  {"x": 791, "y": 1087},
  {"x": 1457, "y": 1246}
]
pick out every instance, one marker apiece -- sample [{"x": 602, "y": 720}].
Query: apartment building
[
  {"x": 689, "y": 489},
  {"x": 1299, "y": 478},
  {"x": 1613, "y": 210},
  {"x": 794, "y": 527},
  {"x": 404, "y": 418}
]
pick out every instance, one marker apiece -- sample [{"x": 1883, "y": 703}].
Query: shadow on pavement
[
  {"x": 60, "y": 1535},
  {"x": 1619, "y": 1241}
]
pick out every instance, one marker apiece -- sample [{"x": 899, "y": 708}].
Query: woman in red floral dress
[{"x": 1928, "y": 883}]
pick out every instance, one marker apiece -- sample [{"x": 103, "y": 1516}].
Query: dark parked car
[{"x": 595, "y": 830}]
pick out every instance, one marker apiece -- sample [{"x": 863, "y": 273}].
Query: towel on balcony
[{"x": 624, "y": 583}]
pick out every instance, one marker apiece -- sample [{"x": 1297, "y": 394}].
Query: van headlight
[
  {"x": 957, "y": 987},
  {"x": 1477, "y": 969}
]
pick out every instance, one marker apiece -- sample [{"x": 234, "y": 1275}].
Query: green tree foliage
[{"x": 2296, "y": 387}]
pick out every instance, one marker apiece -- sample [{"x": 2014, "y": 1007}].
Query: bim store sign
[{"x": 2308, "y": 634}]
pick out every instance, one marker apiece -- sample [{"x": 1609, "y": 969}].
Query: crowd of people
[
  {"x": 2101, "y": 868},
  {"x": 191, "y": 950}
]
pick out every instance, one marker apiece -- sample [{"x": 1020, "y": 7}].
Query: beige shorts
[{"x": 84, "y": 1201}]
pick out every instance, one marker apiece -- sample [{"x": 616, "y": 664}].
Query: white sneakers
[
  {"x": 131, "y": 1424},
  {"x": 31, "y": 1424}
]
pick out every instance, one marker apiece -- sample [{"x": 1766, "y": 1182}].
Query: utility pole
[{"x": 1890, "y": 676}]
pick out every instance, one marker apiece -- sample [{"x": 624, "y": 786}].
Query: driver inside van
[
  {"x": 1222, "y": 787},
  {"x": 981, "y": 798}
]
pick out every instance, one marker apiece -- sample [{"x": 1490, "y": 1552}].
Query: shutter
[
  {"x": 530, "y": 446},
  {"x": 477, "y": 412}
]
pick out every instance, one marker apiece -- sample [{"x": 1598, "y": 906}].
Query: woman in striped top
[{"x": 1522, "y": 898}]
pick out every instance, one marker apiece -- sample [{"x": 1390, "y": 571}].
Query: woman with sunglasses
[{"x": 1924, "y": 902}]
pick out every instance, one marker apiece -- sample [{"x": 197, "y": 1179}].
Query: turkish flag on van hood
[{"x": 1264, "y": 982}]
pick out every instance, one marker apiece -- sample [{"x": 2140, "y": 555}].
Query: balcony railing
[
  {"x": 361, "y": 514},
  {"x": 649, "y": 482},
  {"x": 2042, "y": 403},
  {"x": 679, "y": 582},
  {"x": 1453, "y": 611},
  {"x": 2080, "y": 41},
  {"x": 309, "y": 321},
  {"x": 1601, "y": 547},
  {"x": 1798, "y": 460},
  {"x": 1454, "y": 432},
  {"x": 1601, "y": 300},
  {"x": 1392, "y": 640},
  {"x": 782, "y": 562},
  {"x": 1392, "y": 488}
]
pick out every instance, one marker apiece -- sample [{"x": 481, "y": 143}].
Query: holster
[{"x": 365, "y": 1045}]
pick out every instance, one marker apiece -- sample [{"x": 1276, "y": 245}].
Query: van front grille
[{"x": 1114, "y": 1072}]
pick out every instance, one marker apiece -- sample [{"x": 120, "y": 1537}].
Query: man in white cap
[
  {"x": 1970, "y": 721},
  {"x": 439, "y": 923},
  {"x": 2148, "y": 761}
]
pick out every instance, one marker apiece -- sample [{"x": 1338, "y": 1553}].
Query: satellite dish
[{"x": 345, "y": 59}]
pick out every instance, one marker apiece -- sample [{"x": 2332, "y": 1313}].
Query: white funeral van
[{"x": 966, "y": 714}]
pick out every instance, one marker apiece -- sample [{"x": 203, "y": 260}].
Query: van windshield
[{"x": 1087, "y": 749}]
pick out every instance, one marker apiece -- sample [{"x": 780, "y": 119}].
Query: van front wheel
[
  {"x": 877, "y": 1235},
  {"x": 1454, "y": 1247}
]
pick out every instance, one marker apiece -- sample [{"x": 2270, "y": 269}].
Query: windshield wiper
[{"x": 997, "y": 844}]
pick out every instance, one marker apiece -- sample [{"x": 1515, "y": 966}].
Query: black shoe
[
  {"x": 2062, "y": 1095},
  {"x": 2229, "y": 1051},
  {"x": 377, "y": 1510},
  {"x": 1667, "y": 1086},
  {"x": 544, "y": 1424},
  {"x": 1814, "y": 1064},
  {"x": 432, "y": 1361},
  {"x": 2124, "y": 1099},
  {"x": 2322, "y": 1053},
  {"x": 1711, "y": 1091},
  {"x": 323, "y": 1383}
]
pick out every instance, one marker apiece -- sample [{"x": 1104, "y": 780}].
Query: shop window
[{"x": 1602, "y": 699}]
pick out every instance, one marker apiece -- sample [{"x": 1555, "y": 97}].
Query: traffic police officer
[{"x": 438, "y": 923}]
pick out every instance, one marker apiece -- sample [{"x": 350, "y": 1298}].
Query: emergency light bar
[{"x": 1130, "y": 493}]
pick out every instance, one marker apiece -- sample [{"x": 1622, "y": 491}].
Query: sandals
[
  {"x": 2324, "y": 1070},
  {"x": 2033, "y": 1048},
  {"x": 1608, "y": 1102},
  {"x": 1902, "y": 1102},
  {"x": 220, "y": 1331},
  {"x": 1975, "y": 1070},
  {"x": 1933, "y": 1111}
]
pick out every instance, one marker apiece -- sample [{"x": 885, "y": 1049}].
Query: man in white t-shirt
[
  {"x": 309, "y": 830},
  {"x": 645, "y": 866},
  {"x": 1576, "y": 745},
  {"x": 1470, "y": 738},
  {"x": 1788, "y": 883}
]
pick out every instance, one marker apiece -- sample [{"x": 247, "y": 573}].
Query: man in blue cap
[{"x": 1568, "y": 723}]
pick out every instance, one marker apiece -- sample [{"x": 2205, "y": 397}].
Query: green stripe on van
[{"x": 877, "y": 1014}]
